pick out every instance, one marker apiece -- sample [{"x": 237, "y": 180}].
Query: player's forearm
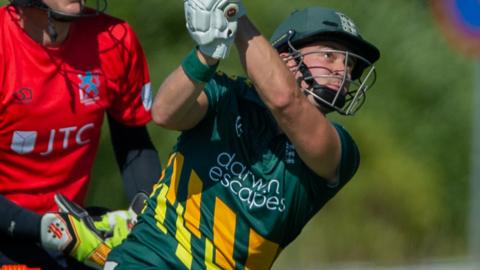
[
  {"x": 294, "y": 114},
  {"x": 141, "y": 171},
  {"x": 273, "y": 80},
  {"x": 136, "y": 156},
  {"x": 18, "y": 223},
  {"x": 175, "y": 99}
]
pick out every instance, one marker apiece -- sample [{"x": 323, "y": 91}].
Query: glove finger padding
[
  {"x": 218, "y": 48},
  {"x": 125, "y": 218},
  {"x": 120, "y": 231},
  {"x": 67, "y": 206},
  {"x": 110, "y": 220},
  {"x": 212, "y": 24},
  {"x": 204, "y": 25},
  {"x": 118, "y": 224}
]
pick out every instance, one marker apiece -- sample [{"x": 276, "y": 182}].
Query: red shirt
[{"x": 53, "y": 101}]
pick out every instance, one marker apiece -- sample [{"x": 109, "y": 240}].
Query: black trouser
[{"x": 32, "y": 255}]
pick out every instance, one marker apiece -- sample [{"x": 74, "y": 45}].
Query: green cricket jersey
[{"x": 234, "y": 192}]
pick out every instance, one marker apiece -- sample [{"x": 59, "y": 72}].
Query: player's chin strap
[
  {"x": 324, "y": 96},
  {"x": 56, "y": 15},
  {"x": 68, "y": 17},
  {"x": 321, "y": 93}
]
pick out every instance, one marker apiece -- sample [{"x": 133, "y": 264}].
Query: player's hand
[
  {"x": 71, "y": 235},
  {"x": 212, "y": 24}
]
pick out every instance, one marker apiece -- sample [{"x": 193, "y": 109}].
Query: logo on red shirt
[
  {"x": 24, "y": 142},
  {"x": 88, "y": 88},
  {"x": 23, "y": 96}
]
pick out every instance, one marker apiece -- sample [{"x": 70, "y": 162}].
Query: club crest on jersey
[{"x": 88, "y": 88}]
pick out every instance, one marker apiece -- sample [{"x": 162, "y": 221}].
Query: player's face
[
  {"x": 324, "y": 72},
  {"x": 328, "y": 63},
  {"x": 66, "y": 6}
]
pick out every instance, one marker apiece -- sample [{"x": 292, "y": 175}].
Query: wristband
[{"x": 196, "y": 70}]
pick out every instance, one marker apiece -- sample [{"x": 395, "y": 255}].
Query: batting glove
[{"x": 212, "y": 24}]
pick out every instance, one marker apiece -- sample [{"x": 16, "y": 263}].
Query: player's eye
[{"x": 328, "y": 56}]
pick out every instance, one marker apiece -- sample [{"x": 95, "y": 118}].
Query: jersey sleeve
[
  {"x": 215, "y": 89},
  {"x": 316, "y": 191},
  {"x": 350, "y": 156},
  {"x": 222, "y": 85},
  {"x": 349, "y": 162},
  {"x": 133, "y": 100},
  {"x": 322, "y": 190}
]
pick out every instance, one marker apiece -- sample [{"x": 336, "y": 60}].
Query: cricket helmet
[{"x": 325, "y": 24}]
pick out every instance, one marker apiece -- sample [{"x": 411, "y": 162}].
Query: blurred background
[{"x": 409, "y": 203}]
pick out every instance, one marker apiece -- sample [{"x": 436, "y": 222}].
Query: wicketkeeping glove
[
  {"x": 73, "y": 231},
  {"x": 117, "y": 224},
  {"x": 74, "y": 234},
  {"x": 212, "y": 24}
]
